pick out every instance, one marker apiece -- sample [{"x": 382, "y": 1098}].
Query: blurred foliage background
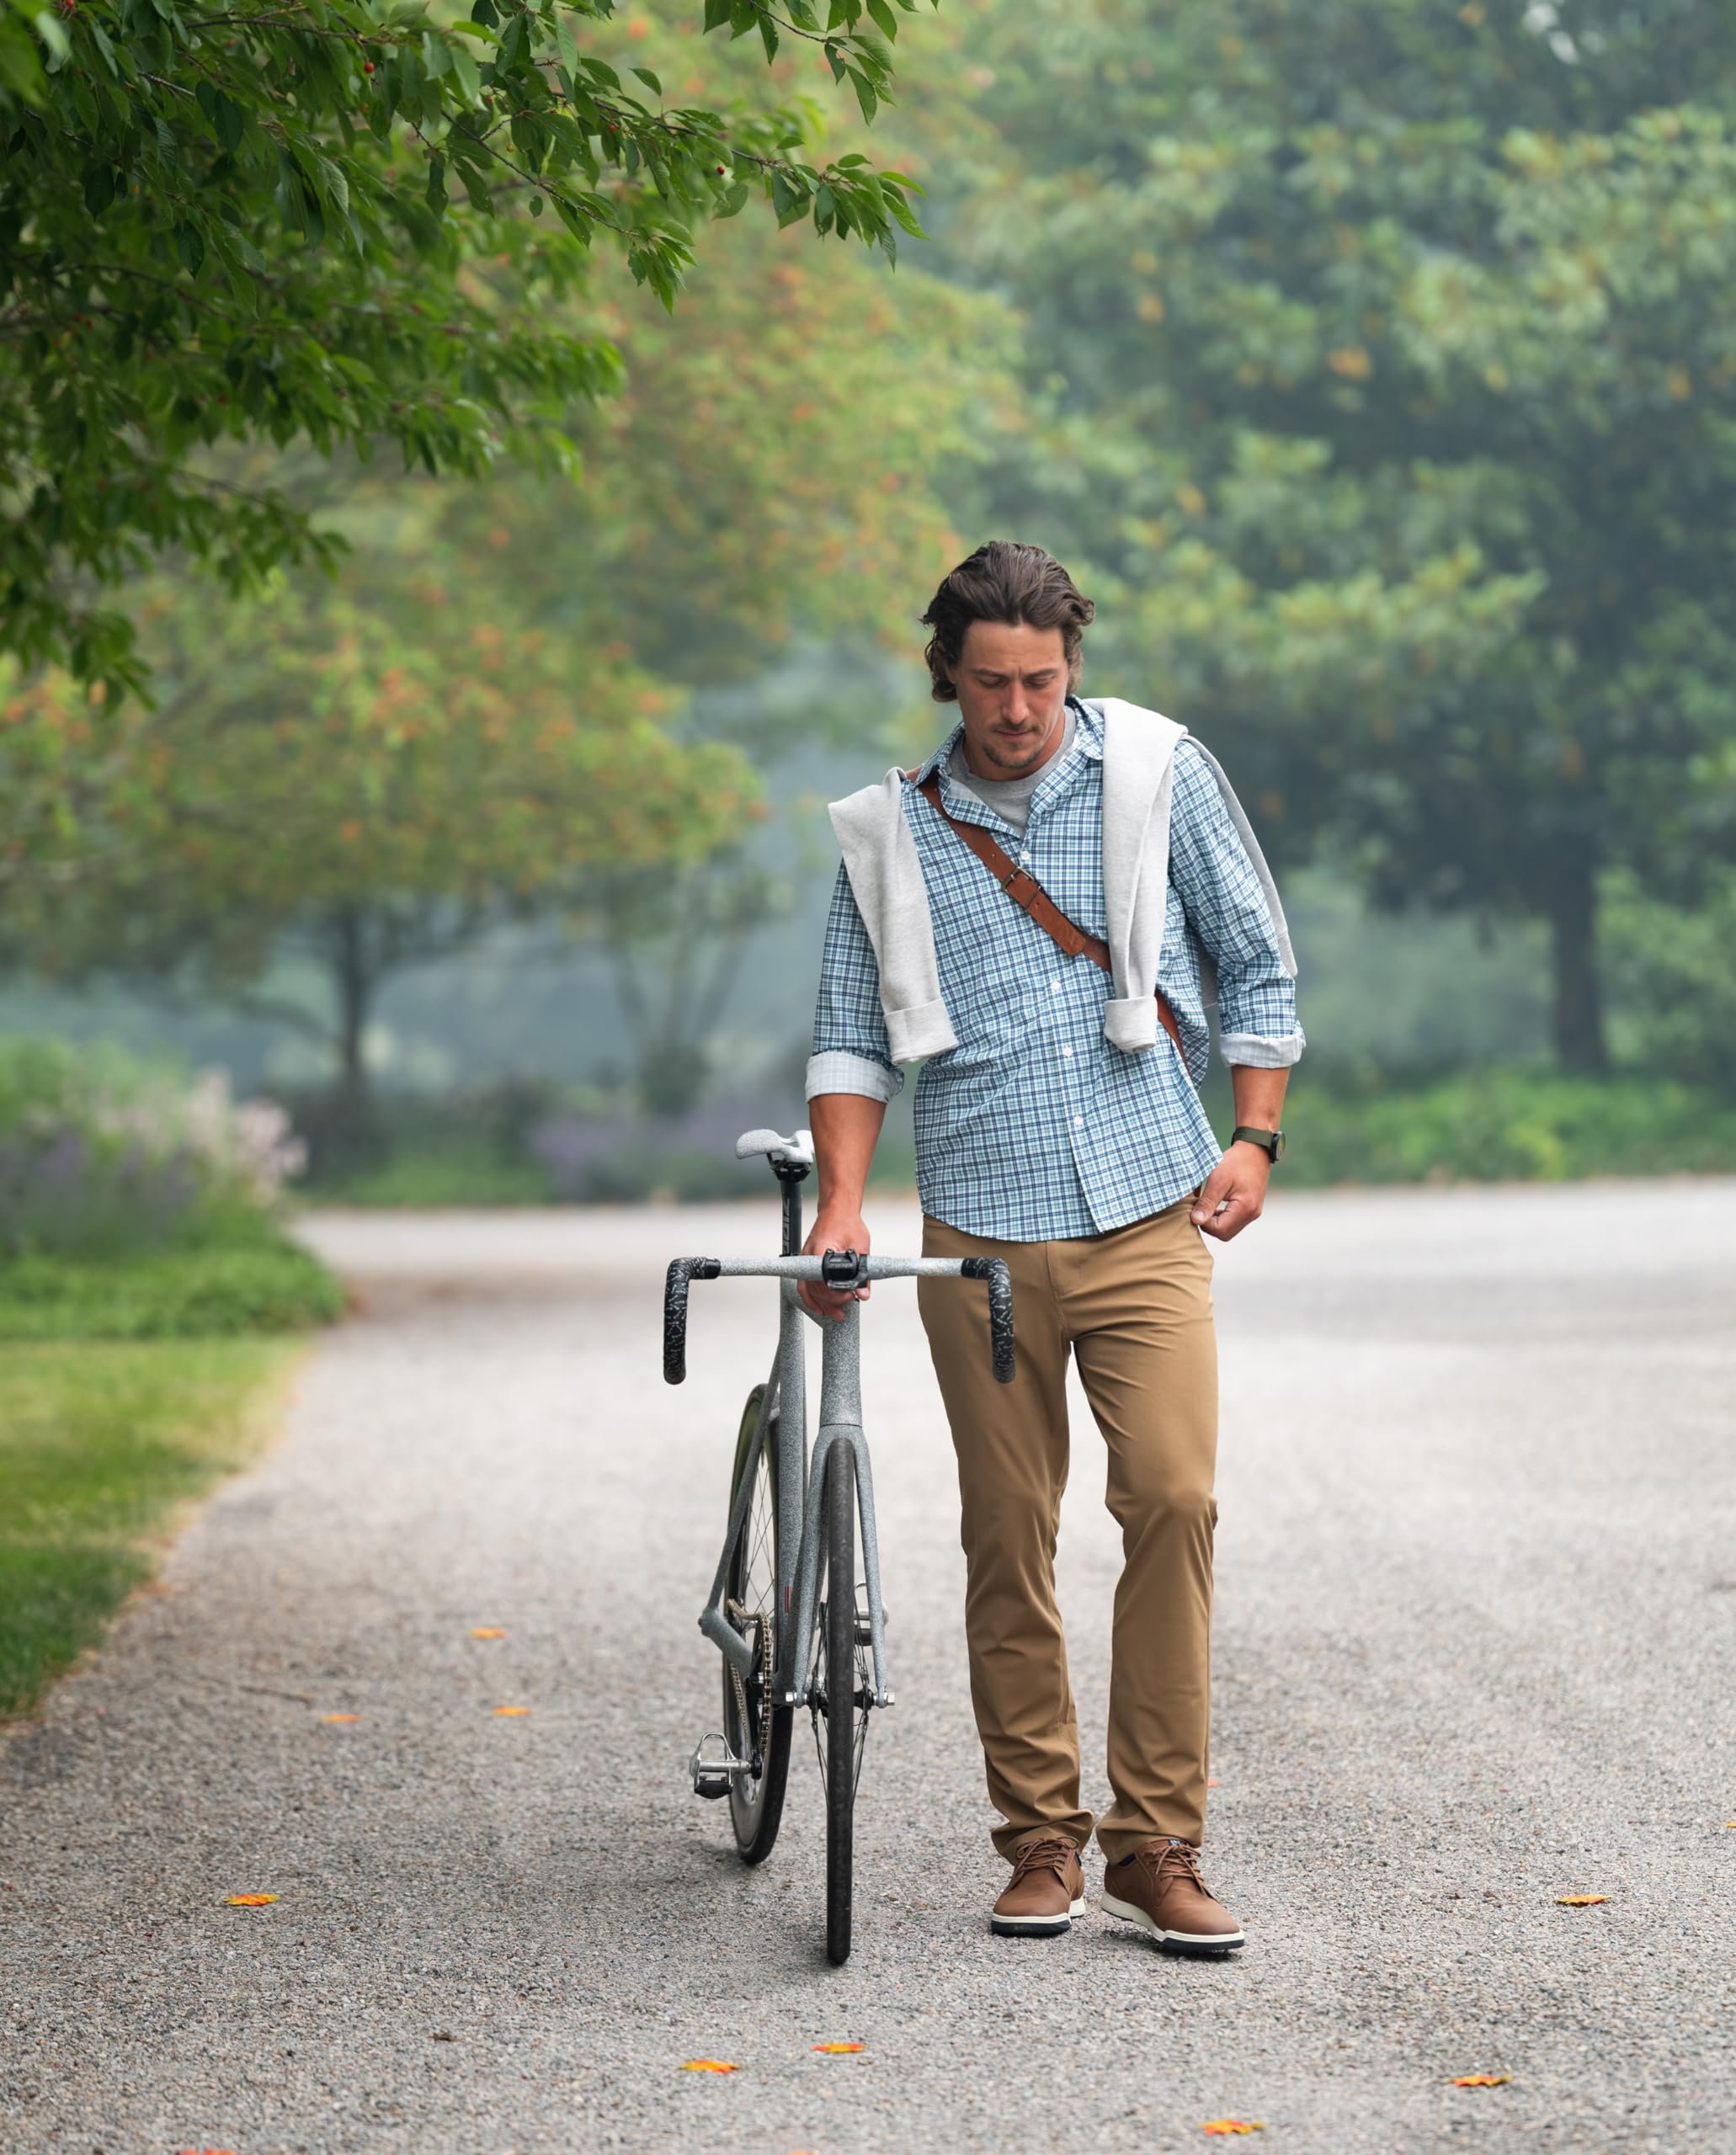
[{"x": 1372, "y": 363}]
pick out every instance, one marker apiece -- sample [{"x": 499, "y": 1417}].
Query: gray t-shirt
[{"x": 1008, "y": 797}]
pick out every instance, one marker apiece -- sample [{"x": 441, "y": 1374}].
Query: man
[{"x": 1058, "y": 1126}]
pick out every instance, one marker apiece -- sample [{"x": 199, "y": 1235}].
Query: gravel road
[{"x": 1476, "y": 1650}]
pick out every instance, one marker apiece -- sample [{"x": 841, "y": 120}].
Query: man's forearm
[
  {"x": 846, "y": 1128},
  {"x": 1260, "y": 1095}
]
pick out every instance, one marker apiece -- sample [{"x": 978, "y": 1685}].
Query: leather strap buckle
[{"x": 1021, "y": 875}]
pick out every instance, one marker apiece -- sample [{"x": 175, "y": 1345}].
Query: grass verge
[
  {"x": 101, "y": 1443},
  {"x": 212, "y": 1292}
]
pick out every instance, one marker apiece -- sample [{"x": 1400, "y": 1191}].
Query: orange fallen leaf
[
  {"x": 1483, "y": 2080},
  {"x": 511, "y": 1710},
  {"x": 834, "y": 2050},
  {"x": 1730, "y": 1825},
  {"x": 1579, "y": 1900},
  {"x": 248, "y": 1900},
  {"x": 489, "y": 1632},
  {"x": 340, "y": 1717},
  {"x": 708, "y": 2064},
  {"x": 1233, "y": 2125}
]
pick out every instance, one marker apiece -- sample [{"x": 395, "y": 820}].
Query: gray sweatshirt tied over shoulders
[{"x": 886, "y": 880}]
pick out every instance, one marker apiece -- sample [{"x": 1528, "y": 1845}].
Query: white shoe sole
[
  {"x": 1171, "y": 1941},
  {"x": 1035, "y": 1926}
]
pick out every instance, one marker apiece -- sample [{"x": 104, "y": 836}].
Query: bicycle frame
[{"x": 801, "y": 1475}]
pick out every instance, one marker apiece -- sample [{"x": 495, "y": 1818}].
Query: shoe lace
[
  {"x": 1045, "y": 1856},
  {"x": 1175, "y": 1856}
]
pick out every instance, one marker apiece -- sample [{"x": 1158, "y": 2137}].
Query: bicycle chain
[{"x": 742, "y": 1618}]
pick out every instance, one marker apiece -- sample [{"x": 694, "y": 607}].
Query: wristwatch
[{"x": 1269, "y": 1141}]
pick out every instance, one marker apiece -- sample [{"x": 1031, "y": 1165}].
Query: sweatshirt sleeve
[
  {"x": 851, "y": 1050},
  {"x": 1226, "y": 908}
]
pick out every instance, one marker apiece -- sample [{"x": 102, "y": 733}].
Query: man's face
[{"x": 1011, "y": 685}]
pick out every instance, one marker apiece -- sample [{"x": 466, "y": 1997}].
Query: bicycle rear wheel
[
  {"x": 842, "y": 1689},
  {"x": 752, "y": 1727}
]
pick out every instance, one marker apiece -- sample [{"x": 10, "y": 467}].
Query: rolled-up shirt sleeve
[
  {"x": 1226, "y": 905},
  {"x": 851, "y": 1050}
]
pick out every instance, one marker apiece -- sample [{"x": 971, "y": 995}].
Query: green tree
[
  {"x": 766, "y": 485},
  {"x": 345, "y": 222},
  {"x": 369, "y": 784},
  {"x": 1388, "y": 356}
]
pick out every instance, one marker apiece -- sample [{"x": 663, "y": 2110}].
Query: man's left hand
[{"x": 1235, "y": 1193}]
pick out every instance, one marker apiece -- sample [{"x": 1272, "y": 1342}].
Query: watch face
[{"x": 1277, "y": 1146}]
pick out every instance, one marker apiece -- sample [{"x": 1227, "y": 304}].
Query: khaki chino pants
[{"x": 1134, "y": 1307}]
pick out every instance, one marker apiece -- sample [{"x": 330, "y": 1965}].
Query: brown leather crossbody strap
[{"x": 1027, "y": 893}]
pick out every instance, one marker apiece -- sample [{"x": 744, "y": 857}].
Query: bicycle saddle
[{"x": 796, "y": 1151}]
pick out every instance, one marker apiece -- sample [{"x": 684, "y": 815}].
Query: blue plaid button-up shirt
[{"x": 1034, "y": 1128}]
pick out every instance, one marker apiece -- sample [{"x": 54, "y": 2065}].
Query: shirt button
[
  {"x": 1054, "y": 987},
  {"x": 1078, "y": 1122},
  {"x": 1025, "y": 855},
  {"x": 1067, "y": 1051}
]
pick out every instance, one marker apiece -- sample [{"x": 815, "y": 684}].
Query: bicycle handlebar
[{"x": 684, "y": 1269}]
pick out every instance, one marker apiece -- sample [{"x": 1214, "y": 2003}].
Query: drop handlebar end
[
  {"x": 994, "y": 1270},
  {"x": 681, "y": 1270}
]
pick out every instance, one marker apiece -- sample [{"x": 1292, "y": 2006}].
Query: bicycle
[{"x": 789, "y": 1633}]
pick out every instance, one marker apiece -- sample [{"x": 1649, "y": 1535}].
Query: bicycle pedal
[{"x": 711, "y": 1777}]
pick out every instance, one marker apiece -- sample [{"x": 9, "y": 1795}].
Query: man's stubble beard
[{"x": 1052, "y": 741}]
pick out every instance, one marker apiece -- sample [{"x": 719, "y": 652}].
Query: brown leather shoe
[
  {"x": 1047, "y": 1890},
  {"x": 1159, "y": 1887}
]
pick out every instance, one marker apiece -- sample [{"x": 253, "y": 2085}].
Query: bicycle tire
[
  {"x": 756, "y": 1805},
  {"x": 839, "y": 1519}
]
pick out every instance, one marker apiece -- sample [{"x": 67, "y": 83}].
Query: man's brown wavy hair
[{"x": 1007, "y": 583}]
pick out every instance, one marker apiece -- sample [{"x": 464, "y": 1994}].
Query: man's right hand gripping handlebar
[{"x": 839, "y": 1229}]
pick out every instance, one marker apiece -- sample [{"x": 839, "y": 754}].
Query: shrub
[
  {"x": 102, "y": 1154},
  {"x": 1500, "y": 1123}
]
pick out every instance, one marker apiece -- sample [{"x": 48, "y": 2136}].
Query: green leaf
[
  {"x": 864, "y": 94},
  {"x": 435, "y": 195},
  {"x": 884, "y": 16},
  {"x": 769, "y": 36},
  {"x": 189, "y": 245},
  {"x": 230, "y": 121},
  {"x": 717, "y": 14},
  {"x": 52, "y": 35},
  {"x": 650, "y": 81},
  {"x": 332, "y": 184}
]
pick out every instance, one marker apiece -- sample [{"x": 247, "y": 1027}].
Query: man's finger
[
  {"x": 1211, "y": 1197},
  {"x": 1233, "y": 1213}
]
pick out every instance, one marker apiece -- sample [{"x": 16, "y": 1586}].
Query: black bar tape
[
  {"x": 994, "y": 1270},
  {"x": 681, "y": 1270}
]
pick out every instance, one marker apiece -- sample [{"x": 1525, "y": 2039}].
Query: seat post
[{"x": 790, "y": 1180}]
